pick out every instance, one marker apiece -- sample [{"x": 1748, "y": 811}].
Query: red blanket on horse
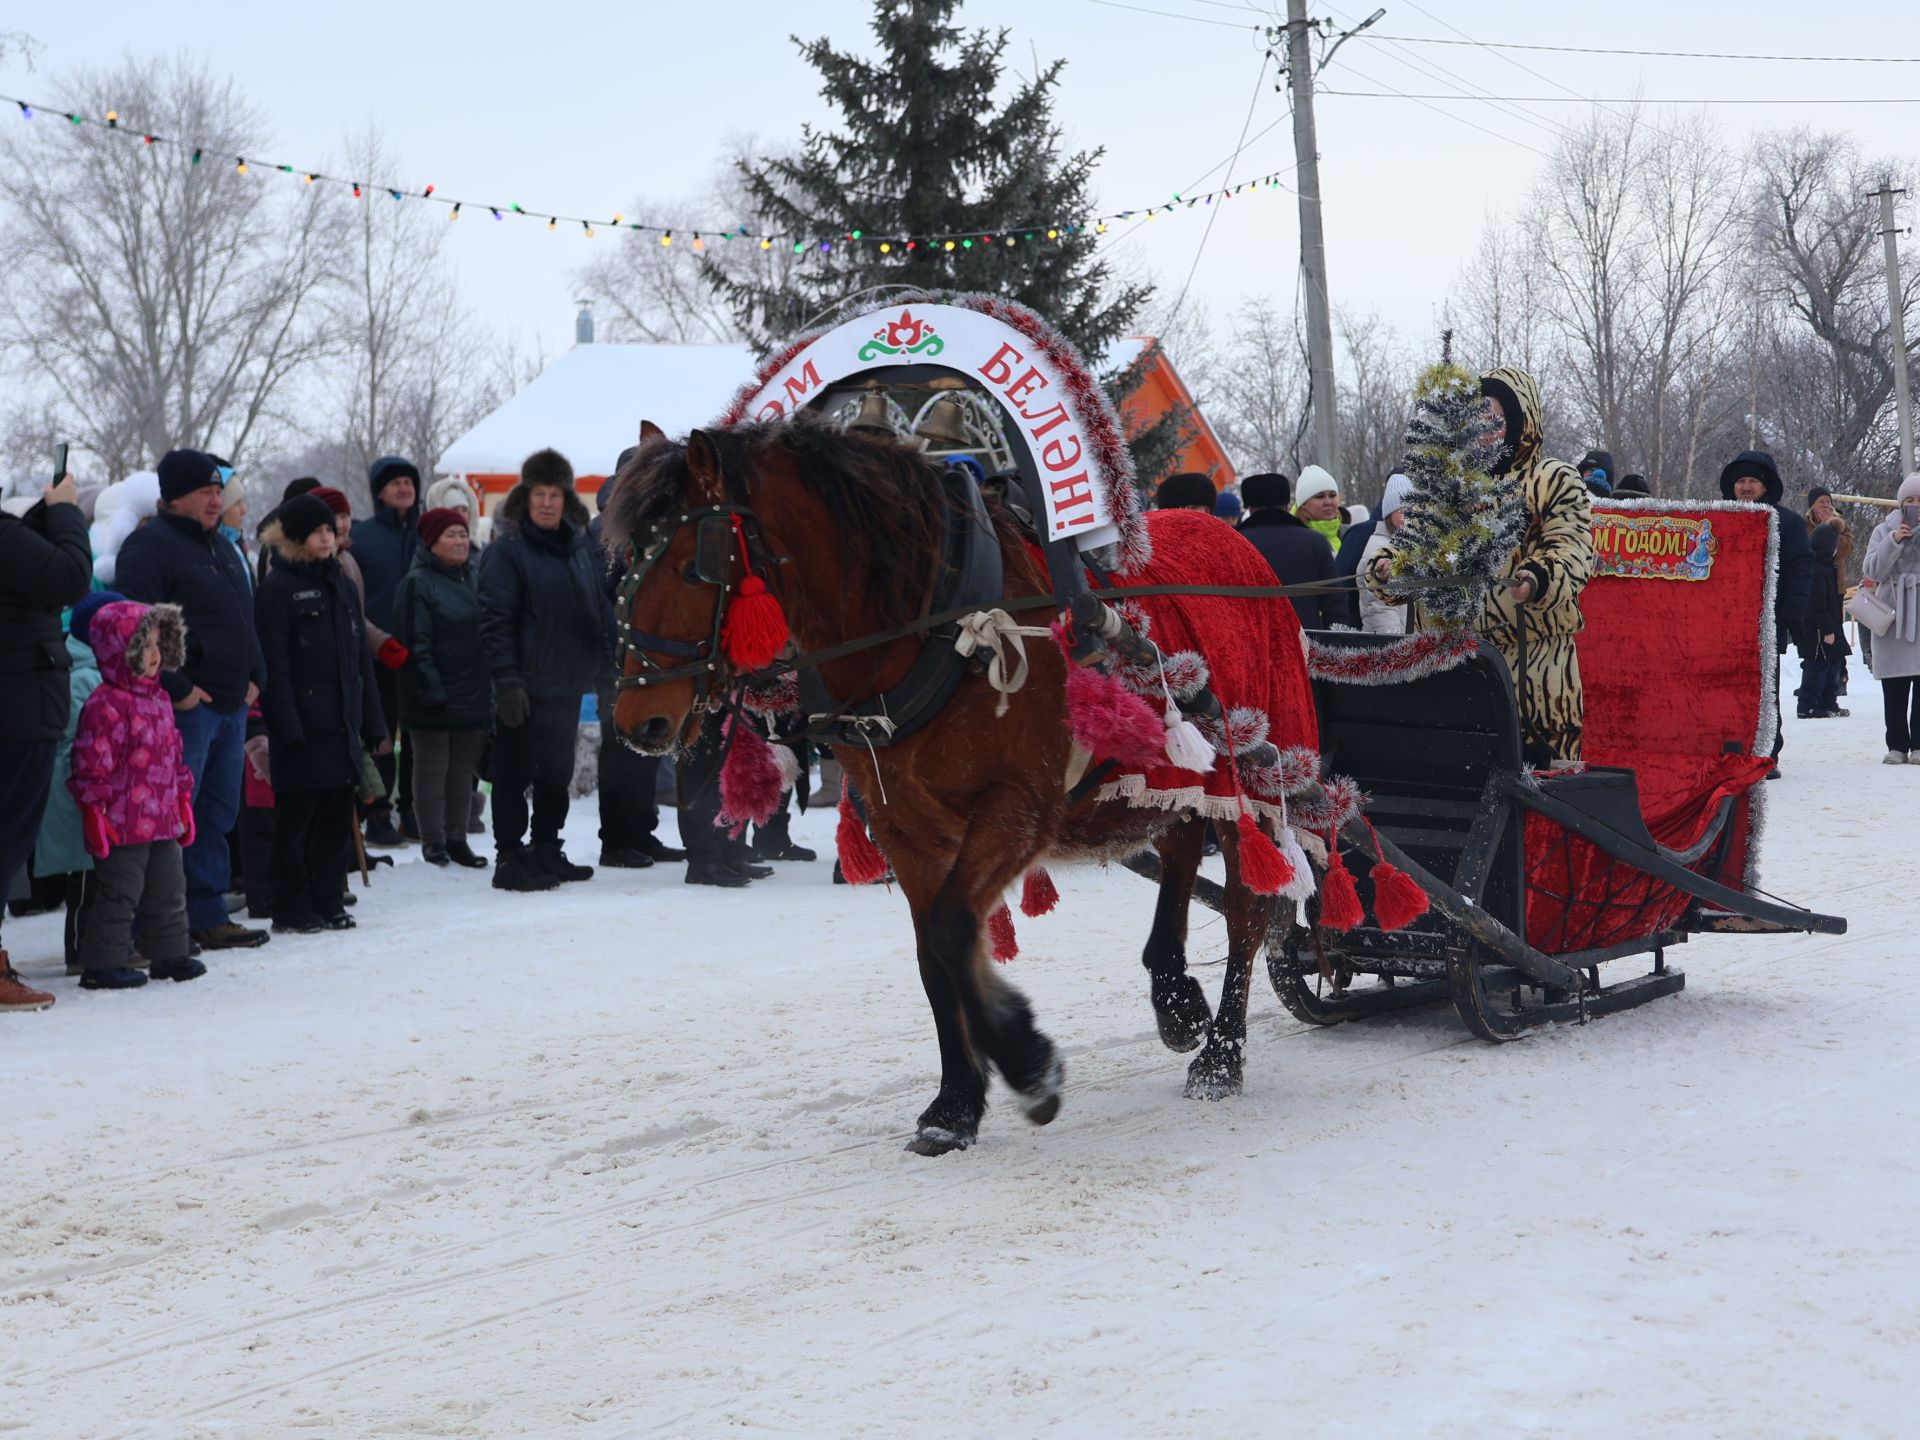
[{"x": 1251, "y": 653}]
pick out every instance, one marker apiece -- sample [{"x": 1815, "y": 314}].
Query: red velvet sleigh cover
[{"x": 1678, "y": 664}]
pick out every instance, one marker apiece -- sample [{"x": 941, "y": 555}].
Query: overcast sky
[{"x": 578, "y": 108}]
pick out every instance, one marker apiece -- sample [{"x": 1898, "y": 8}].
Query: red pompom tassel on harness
[
  {"x": 756, "y": 629},
  {"x": 1037, "y": 895},
  {"x": 1398, "y": 900},
  {"x": 1339, "y": 896},
  {"x": 749, "y": 780},
  {"x": 1262, "y": 867},
  {"x": 1006, "y": 944},
  {"x": 860, "y": 859}
]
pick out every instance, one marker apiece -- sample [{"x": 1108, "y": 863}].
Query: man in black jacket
[
  {"x": 1296, "y": 553},
  {"x": 179, "y": 558},
  {"x": 383, "y": 547},
  {"x": 45, "y": 565},
  {"x": 1751, "y": 475},
  {"x": 543, "y": 618}
]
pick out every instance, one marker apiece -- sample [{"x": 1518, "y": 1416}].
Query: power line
[
  {"x": 1423, "y": 99},
  {"x": 1655, "y": 54},
  {"x": 1634, "y": 100},
  {"x": 1174, "y": 15}
]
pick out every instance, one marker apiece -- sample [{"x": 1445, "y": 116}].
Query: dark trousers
[
  {"x": 148, "y": 881},
  {"x": 699, "y": 775},
  {"x": 311, "y": 832},
  {"x": 443, "y": 762},
  {"x": 629, "y": 806},
  {"x": 26, "y": 779},
  {"x": 536, "y": 755},
  {"x": 1902, "y": 699},
  {"x": 1820, "y": 684},
  {"x": 256, "y": 858},
  {"x": 396, "y": 766},
  {"x": 79, "y": 890}
]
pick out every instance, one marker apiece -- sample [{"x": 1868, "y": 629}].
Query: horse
[{"x": 846, "y": 531}]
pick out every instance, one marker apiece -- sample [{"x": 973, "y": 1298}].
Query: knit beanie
[
  {"x": 299, "y": 487},
  {"x": 1399, "y": 487},
  {"x": 184, "y": 471},
  {"x": 301, "y": 516},
  {"x": 84, "y": 610},
  {"x": 335, "y": 500},
  {"x": 1227, "y": 505},
  {"x": 436, "y": 523},
  {"x": 1314, "y": 480},
  {"x": 1813, "y": 495}
]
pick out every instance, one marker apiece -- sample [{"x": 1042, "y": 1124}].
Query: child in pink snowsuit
[{"x": 135, "y": 793}]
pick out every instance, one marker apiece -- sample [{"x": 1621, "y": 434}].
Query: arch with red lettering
[{"x": 1076, "y": 460}]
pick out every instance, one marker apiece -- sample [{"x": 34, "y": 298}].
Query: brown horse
[{"x": 849, "y": 530}]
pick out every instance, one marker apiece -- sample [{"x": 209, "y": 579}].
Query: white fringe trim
[{"x": 1194, "y": 800}]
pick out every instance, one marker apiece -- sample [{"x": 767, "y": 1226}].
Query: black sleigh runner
[{"x": 1013, "y": 664}]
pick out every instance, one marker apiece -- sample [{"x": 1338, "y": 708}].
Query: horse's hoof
[
  {"x": 1214, "y": 1077},
  {"x": 1178, "y": 1036},
  {"x": 1042, "y": 1102},
  {"x": 1180, "y": 1008},
  {"x": 936, "y": 1140}
]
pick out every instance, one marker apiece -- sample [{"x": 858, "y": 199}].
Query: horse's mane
[{"x": 887, "y": 501}]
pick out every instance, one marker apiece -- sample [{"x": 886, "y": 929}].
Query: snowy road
[{"x": 625, "y": 1160}]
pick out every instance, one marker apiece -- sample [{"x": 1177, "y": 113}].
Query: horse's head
[
  {"x": 674, "y": 517},
  {"x": 695, "y": 522}
]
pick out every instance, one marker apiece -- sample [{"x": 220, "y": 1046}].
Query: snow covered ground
[{"x": 625, "y": 1160}]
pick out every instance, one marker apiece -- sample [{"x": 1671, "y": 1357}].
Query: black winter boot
[
  {"x": 553, "y": 860},
  {"x": 517, "y": 870}
]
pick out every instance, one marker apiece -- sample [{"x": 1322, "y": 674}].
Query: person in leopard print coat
[{"x": 1543, "y": 580}]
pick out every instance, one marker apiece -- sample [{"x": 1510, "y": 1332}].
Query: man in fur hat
[{"x": 544, "y": 623}]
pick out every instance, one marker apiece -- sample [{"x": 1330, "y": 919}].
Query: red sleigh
[{"x": 1540, "y": 878}]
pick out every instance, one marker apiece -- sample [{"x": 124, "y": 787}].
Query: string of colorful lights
[{"x": 697, "y": 239}]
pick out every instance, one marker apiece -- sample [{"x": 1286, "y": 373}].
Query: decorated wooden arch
[{"x": 1063, "y": 429}]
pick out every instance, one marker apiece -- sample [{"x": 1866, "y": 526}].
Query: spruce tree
[
  {"x": 1463, "y": 522},
  {"x": 930, "y": 158}
]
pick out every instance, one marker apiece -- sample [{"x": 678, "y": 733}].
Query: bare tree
[
  {"x": 159, "y": 301},
  {"x": 1496, "y": 313},
  {"x": 1817, "y": 237},
  {"x": 1259, "y": 401},
  {"x": 642, "y": 289},
  {"x": 409, "y": 374},
  {"x": 1374, "y": 383}
]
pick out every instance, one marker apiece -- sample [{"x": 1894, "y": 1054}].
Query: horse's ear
[
  {"x": 650, "y": 431},
  {"x": 704, "y": 483}
]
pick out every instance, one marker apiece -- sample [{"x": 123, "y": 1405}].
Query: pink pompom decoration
[
  {"x": 749, "y": 780},
  {"x": 1112, "y": 721}
]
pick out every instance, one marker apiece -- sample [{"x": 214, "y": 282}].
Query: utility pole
[
  {"x": 1903, "y": 393},
  {"x": 1313, "y": 245}
]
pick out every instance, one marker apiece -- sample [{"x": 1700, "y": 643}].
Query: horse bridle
[{"x": 705, "y": 662}]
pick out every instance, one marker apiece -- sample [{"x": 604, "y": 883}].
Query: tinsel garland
[
  {"x": 1463, "y": 523},
  {"x": 1412, "y": 657},
  {"x": 1085, "y": 399}
]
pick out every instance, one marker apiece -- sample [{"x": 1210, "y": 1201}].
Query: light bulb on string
[
  {"x": 1053, "y": 234},
  {"x": 552, "y": 224},
  {"x": 588, "y": 228},
  {"x": 356, "y": 189},
  {"x": 885, "y": 248},
  {"x": 666, "y": 237},
  {"x": 73, "y": 119},
  {"x": 616, "y": 219},
  {"x": 698, "y": 243},
  {"x": 454, "y": 214},
  {"x": 149, "y": 139},
  {"x": 113, "y": 119},
  {"x": 26, "y": 111},
  {"x": 240, "y": 168},
  {"x": 766, "y": 244},
  {"x": 496, "y": 212},
  {"x": 949, "y": 245},
  {"x": 426, "y": 192}
]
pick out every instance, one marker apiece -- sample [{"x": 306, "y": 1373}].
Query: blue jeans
[{"x": 215, "y": 742}]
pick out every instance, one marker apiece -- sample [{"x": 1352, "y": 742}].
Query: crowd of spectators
[{"x": 200, "y": 719}]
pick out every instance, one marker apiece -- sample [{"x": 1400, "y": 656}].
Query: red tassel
[
  {"x": 860, "y": 859},
  {"x": 1006, "y": 944},
  {"x": 1339, "y": 897},
  {"x": 1262, "y": 867},
  {"x": 749, "y": 780},
  {"x": 756, "y": 629},
  {"x": 1037, "y": 895},
  {"x": 1397, "y": 900}
]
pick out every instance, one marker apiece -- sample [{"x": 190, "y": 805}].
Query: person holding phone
[
  {"x": 45, "y": 566},
  {"x": 1892, "y": 569}
]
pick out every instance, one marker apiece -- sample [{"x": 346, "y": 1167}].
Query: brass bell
[
  {"x": 944, "y": 424},
  {"x": 873, "y": 417}
]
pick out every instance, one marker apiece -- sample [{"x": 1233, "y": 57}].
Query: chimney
[{"x": 583, "y": 324}]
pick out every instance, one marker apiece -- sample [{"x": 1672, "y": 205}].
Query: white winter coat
[
  {"x": 1895, "y": 570},
  {"x": 1377, "y": 617}
]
